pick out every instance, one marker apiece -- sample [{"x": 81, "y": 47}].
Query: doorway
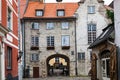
[
  {"x": 35, "y": 72},
  {"x": 58, "y": 65}
]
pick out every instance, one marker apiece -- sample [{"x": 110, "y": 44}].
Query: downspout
[
  {"x": 76, "y": 50},
  {"x": 23, "y": 40},
  {"x": 23, "y": 46}
]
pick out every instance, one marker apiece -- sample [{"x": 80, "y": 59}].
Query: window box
[
  {"x": 34, "y": 48},
  {"x": 65, "y": 47},
  {"x": 50, "y": 47}
]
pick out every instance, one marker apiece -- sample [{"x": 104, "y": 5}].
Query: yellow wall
[{"x": 52, "y": 61}]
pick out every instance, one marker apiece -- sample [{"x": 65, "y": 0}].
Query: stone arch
[{"x": 61, "y": 56}]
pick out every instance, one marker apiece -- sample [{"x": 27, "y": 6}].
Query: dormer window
[
  {"x": 39, "y": 12},
  {"x": 60, "y": 13}
]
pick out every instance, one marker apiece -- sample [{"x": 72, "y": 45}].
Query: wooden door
[{"x": 35, "y": 72}]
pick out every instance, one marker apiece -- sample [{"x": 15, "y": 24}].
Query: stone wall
[{"x": 57, "y": 32}]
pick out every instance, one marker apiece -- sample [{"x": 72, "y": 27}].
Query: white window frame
[
  {"x": 91, "y": 33},
  {"x": 50, "y": 41},
  {"x": 104, "y": 71},
  {"x": 65, "y": 40},
  {"x": 35, "y": 57},
  {"x": 91, "y": 9},
  {"x": 34, "y": 42},
  {"x": 10, "y": 23},
  {"x": 81, "y": 56},
  {"x": 35, "y": 25},
  {"x": 50, "y": 25},
  {"x": 65, "y": 25},
  {"x": 39, "y": 12},
  {"x": 60, "y": 13}
]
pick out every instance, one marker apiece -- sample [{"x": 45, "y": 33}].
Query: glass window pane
[
  {"x": 60, "y": 12},
  {"x": 91, "y": 9},
  {"x": 65, "y": 40},
  {"x": 50, "y": 25},
  {"x": 64, "y": 25},
  {"x": 39, "y": 13}
]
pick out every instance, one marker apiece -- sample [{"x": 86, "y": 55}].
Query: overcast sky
[{"x": 107, "y": 2}]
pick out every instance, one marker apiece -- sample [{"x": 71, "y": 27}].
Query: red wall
[{"x": 14, "y": 70}]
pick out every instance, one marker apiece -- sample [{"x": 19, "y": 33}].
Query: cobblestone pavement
[{"x": 60, "y": 78}]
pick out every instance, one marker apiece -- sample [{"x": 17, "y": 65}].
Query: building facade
[
  {"x": 49, "y": 38},
  {"x": 91, "y": 19},
  {"x": 8, "y": 39}
]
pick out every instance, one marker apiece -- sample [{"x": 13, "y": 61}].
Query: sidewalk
[{"x": 60, "y": 78}]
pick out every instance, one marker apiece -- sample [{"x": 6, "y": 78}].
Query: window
[
  {"x": 91, "y": 33},
  {"x": 65, "y": 40},
  {"x": 57, "y": 59},
  {"x": 35, "y": 41},
  {"x": 9, "y": 58},
  {"x": 9, "y": 19},
  {"x": 35, "y": 25},
  {"x": 91, "y": 9},
  {"x": 106, "y": 67},
  {"x": 39, "y": 12},
  {"x": 81, "y": 56},
  {"x": 34, "y": 57},
  {"x": 60, "y": 12},
  {"x": 65, "y": 25},
  {"x": 50, "y": 41},
  {"x": 50, "y": 25}
]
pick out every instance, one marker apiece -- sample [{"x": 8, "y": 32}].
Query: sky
[{"x": 107, "y": 2}]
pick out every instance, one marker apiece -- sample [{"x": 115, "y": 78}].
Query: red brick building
[{"x": 9, "y": 39}]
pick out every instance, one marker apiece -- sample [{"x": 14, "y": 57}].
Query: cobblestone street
[{"x": 60, "y": 78}]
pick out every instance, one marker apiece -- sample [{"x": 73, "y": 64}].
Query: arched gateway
[{"x": 58, "y": 65}]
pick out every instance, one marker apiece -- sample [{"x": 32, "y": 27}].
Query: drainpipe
[
  {"x": 76, "y": 70},
  {"x": 23, "y": 46}
]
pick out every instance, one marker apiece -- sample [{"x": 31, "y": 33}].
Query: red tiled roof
[{"x": 50, "y": 9}]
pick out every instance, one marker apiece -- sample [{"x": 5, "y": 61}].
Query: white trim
[
  {"x": 0, "y": 11},
  {"x": 2, "y": 62},
  {"x": 9, "y": 4},
  {"x": 2, "y": 34},
  {"x": 5, "y": 41},
  {"x": 13, "y": 35},
  {"x": 16, "y": 2}
]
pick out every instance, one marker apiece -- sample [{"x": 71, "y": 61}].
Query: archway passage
[{"x": 58, "y": 65}]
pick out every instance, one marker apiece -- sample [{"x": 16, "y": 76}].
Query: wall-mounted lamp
[{"x": 20, "y": 55}]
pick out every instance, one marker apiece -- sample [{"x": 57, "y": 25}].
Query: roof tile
[{"x": 50, "y": 9}]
